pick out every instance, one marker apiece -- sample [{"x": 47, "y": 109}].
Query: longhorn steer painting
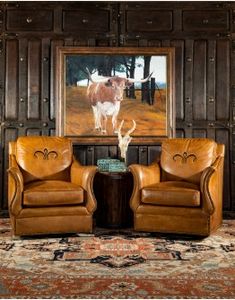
[
  {"x": 99, "y": 87},
  {"x": 105, "y": 98}
]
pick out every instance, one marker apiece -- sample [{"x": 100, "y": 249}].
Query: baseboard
[
  {"x": 4, "y": 214},
  {"x": 229, "y": 215}
]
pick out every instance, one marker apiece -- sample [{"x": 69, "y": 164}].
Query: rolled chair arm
[
  {"x": 15, "y": 190},
  {"x": 211, "y": 185},
  {"x": 84, "y": 177},
  {"x": 143, "y": 176}
]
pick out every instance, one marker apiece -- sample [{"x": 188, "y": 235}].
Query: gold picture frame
[{"x": 125, "y": 83}]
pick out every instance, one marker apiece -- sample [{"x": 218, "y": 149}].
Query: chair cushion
[
  {"x": 171, "y": 193},
  {"x": 52, "y": 193}
]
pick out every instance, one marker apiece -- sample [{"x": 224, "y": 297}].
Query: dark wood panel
[
  {"x": 29, "y": 20},
  {"x": 33, "y": 131},
  {"x": 153, "y": 153},
  {"x": 80, "y": 152},
  {"x": 232, "y": 185},
  {"x": 211, "y": 80},
  {"x": 34, "y": 72},
  {"x": 2, "y": 181},
  {"x": 188, "y": 86},
  {"x": 23, "y": 82},
  {"x": 179, "y": 133},
  {"x": 144, "y": 21},
  {"x": 113, "y": 151},
  {"x": 52, "y": 132},
  {"x": 101, "y": 152},
  {"x": 223, "y": 80},
  {"x": 90, "y": 158},
  {"x": 206, "y": 20},
  {"x": 143, "y": 155},
  {"x": 45, "y": 79},
  {"x": 84, "y": 20},
  {"x": 199, "y": 133},
  {"x": 132, "y": 155},
  {"x": 199, "y": 80},
  {"x": 179, "y": 75},
  {"x": 211, "y": 133},
  {"x": 183, "y": 5},
  {"x": 11, "y": 96}
]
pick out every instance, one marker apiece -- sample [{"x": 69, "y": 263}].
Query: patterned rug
[{"x": 118, "y": 264}]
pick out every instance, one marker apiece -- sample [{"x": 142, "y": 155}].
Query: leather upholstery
[
  {"x": 52, "y": 193},
  {"x": 170, "y": 193},
  {"x": 188, "y": 160},
  {"x": 181, "y": 193},
  {"x": 44, "y": 158},
  {"x": 48, "y": 190}
]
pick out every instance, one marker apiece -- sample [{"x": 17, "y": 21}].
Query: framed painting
[{"x": 97, "y": 88}]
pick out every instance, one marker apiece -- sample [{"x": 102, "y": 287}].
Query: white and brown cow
[{"x": 105, "y": 97}]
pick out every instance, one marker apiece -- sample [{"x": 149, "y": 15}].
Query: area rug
[{"x": 118, "y": 264}]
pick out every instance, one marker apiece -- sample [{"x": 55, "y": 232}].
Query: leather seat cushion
[
  {"x": 171, "y": 193},
  {"x": 52, "y": 193}
]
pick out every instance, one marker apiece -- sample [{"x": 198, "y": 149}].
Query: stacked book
[{"x": 111, "y": 165}]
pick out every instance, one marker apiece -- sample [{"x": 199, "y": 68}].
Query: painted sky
[{"x": 157, "y": 66}]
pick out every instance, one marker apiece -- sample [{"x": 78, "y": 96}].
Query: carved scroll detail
[
  {"x": 45, "y": 154},
  {"x": 185, "y": 157}
]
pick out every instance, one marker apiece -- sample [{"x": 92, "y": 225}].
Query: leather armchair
[
  {"x": 48, "y": 190},
  {"x": 182, "y": 193}
]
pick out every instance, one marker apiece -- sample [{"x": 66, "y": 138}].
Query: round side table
[{"x": 113, "y": 192}]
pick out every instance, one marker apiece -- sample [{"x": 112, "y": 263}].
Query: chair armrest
[
  {"x": 211, "y": 185},
  {"x": 143, "y": 176},
  {"x": 15, "y": 190},
  {"x": 84, "y": 176}
]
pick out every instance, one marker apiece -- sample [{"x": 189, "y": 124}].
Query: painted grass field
[{"x": 150, "y": 119}]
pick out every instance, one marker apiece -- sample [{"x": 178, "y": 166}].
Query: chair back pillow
[
  {"x": 185, "y": 159},
  {"x": 43, "y": 157}
]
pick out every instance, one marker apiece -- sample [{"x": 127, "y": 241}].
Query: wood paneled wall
[{"x": 203, "y": 34}]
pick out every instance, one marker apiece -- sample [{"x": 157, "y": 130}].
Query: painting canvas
[{"x": 100, "y": 87}]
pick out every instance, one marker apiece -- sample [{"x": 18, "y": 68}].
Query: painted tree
[
  {"x": 130, "y": 64},
  {"x": 145, "y": 96}
]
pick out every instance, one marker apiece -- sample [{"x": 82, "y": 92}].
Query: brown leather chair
[
  {"x": 182, "y": 193},
  {"x": 48, "y": 190}
]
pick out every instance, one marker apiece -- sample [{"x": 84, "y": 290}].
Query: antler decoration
[{"x": 123, "y": 141}]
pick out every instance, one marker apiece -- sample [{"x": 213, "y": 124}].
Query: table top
[{"x": 115, "y": 174}]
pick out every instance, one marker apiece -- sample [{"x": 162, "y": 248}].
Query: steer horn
[
  {"x": 89, "y": 75},
  {"x": 141, "y": 80},
  {"x": 103, "y": 79}
]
